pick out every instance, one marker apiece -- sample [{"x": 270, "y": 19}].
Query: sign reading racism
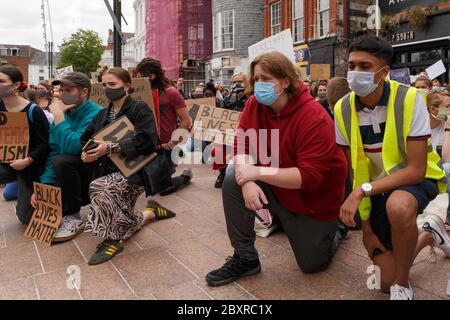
[
  {"x": 120, "y": 129},
  {"x": 47, "y": 216},
  {"x": 215, "y": 124},
  {"x": 142, "y": 92},
  {"x": 14, "y": 136},
  {"x": 320, "y": 72},
  {"x": 61, "y": 72}
]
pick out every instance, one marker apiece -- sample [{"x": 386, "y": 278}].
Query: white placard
[
  {"x": 281, "y": 42},
  {"x": 436, "y": 70},
  {"x": 61, "y": 72},
  {"x": 413, "y": 78}
]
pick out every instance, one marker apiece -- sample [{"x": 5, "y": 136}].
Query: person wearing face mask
[
  {"x": 440, "y": 100},
  {"x": 384, "y": 129},
  {"x": 321, "y": 96},
  {"x": 112, "y": 213},
  {"x": 44, "y": 93},
  {"x": 173, "y": 115},
  {"x": 304, "y": 182},
  {"x": 436, "y": 85},
  {"x": 423, "y": 84},
  {"x": 72, "y": 111},
  {"x": 24, "y": 171}
]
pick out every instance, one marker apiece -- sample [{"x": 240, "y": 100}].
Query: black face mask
[
  {"x": 115, "y": 94},
  {"x": 41, "y": 94}
]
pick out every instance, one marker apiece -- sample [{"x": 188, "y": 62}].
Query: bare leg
[{"x": 148, "y": 216}]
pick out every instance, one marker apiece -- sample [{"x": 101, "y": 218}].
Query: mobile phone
[{"x": 90, "y": 145}]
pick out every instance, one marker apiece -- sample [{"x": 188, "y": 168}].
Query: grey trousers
[
  {"x": 24, "y": 210},
  {"x": 313, "y": 242}
]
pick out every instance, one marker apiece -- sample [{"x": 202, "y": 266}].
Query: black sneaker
[
  {"x": 232, "y": 270},
  {"x": 220, "y": 178},
  {"x": 187, "y": 175}
]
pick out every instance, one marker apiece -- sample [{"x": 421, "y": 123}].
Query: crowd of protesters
[{"x": 332, "y": 172}]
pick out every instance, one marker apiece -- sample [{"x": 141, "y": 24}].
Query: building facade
[
  {"x": 128, "y": 52},
  {"x": 38, "y": 67},
  {"x": 236, "y": 26},
  {"x": 139, "y": 39},
  {"x": 319, "y": 27},
  {"x": 179, "y": 34},
  {"x": 419, "y": 31},
  {"x": 17, "y": 55}
]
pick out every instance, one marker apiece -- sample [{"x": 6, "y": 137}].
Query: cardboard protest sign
[
  {"x": 320, "y": 72},
  {"x": 303, "y": 73},
  {"x": 47, "y": 216},
  {"x": 120, "y": 129},
  {"x": 61, "y": 72},
  {"x": 193, "y": 105},
  {"x": 14, "y": 136},
  {"x": 281, "y": 42},
  {"x": 216, "y": 125},
  {"x": 142, "y": 92}
]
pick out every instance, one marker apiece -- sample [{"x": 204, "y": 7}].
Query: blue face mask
[{"x": 265, "y": 93}]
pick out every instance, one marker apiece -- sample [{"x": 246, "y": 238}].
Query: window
[
  {"x": 14, "y": 52},
  {"x": 41, "y": 78},
  {"x": 297, "y": 20},
  {"x": 275, "y": 16},
  {"x": 41, "y": 70},
  {"x": 223, "y": 31},
  {"x": 323, "y": 9},
  {"x": 3, "y": 52}
]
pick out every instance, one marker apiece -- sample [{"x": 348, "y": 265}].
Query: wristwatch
[{"x": 367, "y": 189}]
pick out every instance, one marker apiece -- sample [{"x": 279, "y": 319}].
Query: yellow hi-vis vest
[{"x": 394, "y": 154}]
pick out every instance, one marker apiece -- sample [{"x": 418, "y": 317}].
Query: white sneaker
[
  {"x": 435, "y": 225},
  {"x": 71, "y": 226},
  {"x": 401, "y": 293}
]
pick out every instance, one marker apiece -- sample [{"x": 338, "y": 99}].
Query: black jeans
[
  {"x": 179, "y": 181},
  {"x": 313, "y": 242},
  {"x": 73, "y": 176},
  {"x": 24, "y": 210}
]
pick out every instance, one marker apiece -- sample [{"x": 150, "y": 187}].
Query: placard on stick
[
  {"x": 120, "y": 129},
  {"x": 14, "y": 136},
  {"x": 216, "y": 125},
  {"x": 193, "y": 105},
  {"x": 61, "y": 72},
  {"x": 47, "y": 216},
  {"x": 320, "y": 72}
]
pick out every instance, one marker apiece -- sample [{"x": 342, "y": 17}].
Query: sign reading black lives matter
[
  {"x": 47, "y": 216},
  {"x": 214, "y": 124},
  {"x": 14, "y": 136},
  {"x": 120, "y": 129}
]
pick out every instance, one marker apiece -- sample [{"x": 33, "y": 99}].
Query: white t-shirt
[
  {"x": 437, "y": 136},
  {"x": 372, "y": 124}
]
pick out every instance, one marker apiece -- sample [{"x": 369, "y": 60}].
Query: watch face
[{"x": 366, "y": 187}]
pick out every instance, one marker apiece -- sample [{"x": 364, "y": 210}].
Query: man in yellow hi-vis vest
[{"x": 384, "y": 129}]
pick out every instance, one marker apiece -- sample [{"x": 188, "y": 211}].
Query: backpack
[{"x": 30, "y": 112}]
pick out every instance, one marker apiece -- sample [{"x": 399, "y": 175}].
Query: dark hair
[
  {"x": 376, "y": 46},
  {"x": 152, "y": 66},
  {"x": 320, "y": 83},
  {"x": 48, "y": 87},
  {"x": 122, "y": 75},
  {"x": 15, "y": 75},
  {"x": 30, "y": 95}
]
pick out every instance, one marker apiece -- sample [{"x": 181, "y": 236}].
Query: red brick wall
[
  {"x": 19, "y": 62},
  {"x": 310, "y": 16}
]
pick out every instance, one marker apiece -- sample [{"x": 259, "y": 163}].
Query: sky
[{"x": 21, "y": 21}]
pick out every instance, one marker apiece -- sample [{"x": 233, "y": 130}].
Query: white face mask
[{"x": 363, "y": 82}]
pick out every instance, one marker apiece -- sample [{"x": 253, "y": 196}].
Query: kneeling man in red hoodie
[{"x": 286, "y": 160}]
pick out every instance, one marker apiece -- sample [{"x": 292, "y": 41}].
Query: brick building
[
  {"x": 317, "y": 25},
  {"x": 17, "y": 55}
]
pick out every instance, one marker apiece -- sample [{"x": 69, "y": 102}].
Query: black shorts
[{"x": 423, "y": 192}]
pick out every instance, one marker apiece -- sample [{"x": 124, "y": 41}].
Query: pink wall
[{"x": 162, "y": 35}]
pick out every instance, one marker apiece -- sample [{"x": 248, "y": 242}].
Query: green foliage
[{"x": 83, "y": 50}]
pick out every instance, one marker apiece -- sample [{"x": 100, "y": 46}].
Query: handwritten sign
[
  {"x": 14, "y": 136},
  {"x": 142, "y": 92},
  {"x": 216, "y": 125},
  {"x": 47, "y": 216},
  {"x": 120, "y": 129},
  {"x": 320, "y": 72},
  {"x": 61, "y": 72},
  {"x": 281, "y": 42}
]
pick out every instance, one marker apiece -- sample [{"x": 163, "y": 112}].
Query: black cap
[{"x": 74, "y": 79}]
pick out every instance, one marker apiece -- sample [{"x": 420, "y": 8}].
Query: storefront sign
[
  {"x": 302, "y": 55},
  {"x": 403, "y": 36}
]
